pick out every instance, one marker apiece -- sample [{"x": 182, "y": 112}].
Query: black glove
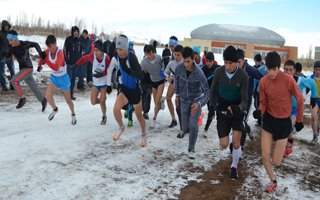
[
  {"x": 299, "y": 126},
  {"x": 109, "y": 89},
  {"x": 43, "y": 55},
  {"x": 98, "y": 74},
  {"x": 39, "y": 69},
  {"x": 236, "y": 110},
  {"x": 313, "y": 102},
  {"x": 72, "y": 66},
  {"x": 256, "y": 114},
  {"x": 229, "y": 115}
]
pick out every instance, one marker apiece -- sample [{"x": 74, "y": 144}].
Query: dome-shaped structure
[{"x": 239, "y": 34}]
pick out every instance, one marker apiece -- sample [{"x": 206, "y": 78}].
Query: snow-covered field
[{"x": 55, "y": 160}]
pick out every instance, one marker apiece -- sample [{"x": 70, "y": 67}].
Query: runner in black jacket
[{"x": 20, "y": 50}]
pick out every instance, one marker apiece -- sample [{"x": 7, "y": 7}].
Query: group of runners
[{"x": 227, "y": 92}]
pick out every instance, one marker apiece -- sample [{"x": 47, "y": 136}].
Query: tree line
[{"x": 35, "y": 25}]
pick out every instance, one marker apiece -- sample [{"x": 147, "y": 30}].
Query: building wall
[
  {"x": 217, "y": 47},
  {"x": 204, "y": 44},
  {"x": 286, "y": 52}
]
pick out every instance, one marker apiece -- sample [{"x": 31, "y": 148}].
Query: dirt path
[{"x": 216, "y": 183}]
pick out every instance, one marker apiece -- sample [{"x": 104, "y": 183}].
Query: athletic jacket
[
  {"x": 253, "y": 74},
  {"x": 304, "y": 83},
  {"x": 209, "y": 73},
  {"x": 21, "y": 53},
  {"x": 225, "y": 92},
  {"x": 191, "y": 89},
  {"x": 72, "y": 50},
  {"x": 130, "y": 70}
]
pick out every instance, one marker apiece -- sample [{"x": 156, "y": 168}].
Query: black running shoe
[
  {"x": 5, "y": 89},
  {"x": 21, "y": 103},
  {"x": 104, "y": 120},
  {"x": 180, "y": 134},
  {"x": 173, "y": 123},
  {"x": 44, "y": 104},
  {"x": 233, "y": 174},
  {"x": 146, "y": 116}
]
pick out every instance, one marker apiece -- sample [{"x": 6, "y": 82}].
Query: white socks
[{"x": 236, "y": 154}]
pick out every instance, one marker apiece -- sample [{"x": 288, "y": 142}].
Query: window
[{"x": 216, "y": 50}]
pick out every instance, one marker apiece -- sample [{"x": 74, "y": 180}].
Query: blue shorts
[
  {"x": 294, "y": 112},
  {"x": 61, "y": 82},
  {"x": 100, "y": 87}
]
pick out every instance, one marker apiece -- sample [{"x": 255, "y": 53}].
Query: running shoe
[
  {"x": 271, "y": 187},
  {"x": 21, "y": 103},
  {"x": 53, "y": 113},
  {"x": 104, "y": 120},
  {"x": 116, "y": 136}
]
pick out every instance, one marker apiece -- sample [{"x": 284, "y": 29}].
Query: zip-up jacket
[{"x": 191, "y": 89}]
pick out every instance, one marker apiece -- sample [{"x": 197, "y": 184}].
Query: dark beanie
[
  {"x": 210, "y": 56},
  {"x": 230, "y": 54},
  {"x": 273, "y": 60},
  {"x": 257, "y": 58},
  {"x": 317, "y": 64},
  {"x": 98, "y": 44},
  {"x": 73, "y": 29}
]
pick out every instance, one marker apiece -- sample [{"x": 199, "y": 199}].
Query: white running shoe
[
  {"x": 205, "y": 134},
  {"x": 152, "y": 123},
  {"x": 162, "y": 104},
  {"x": 73, "y": 119},
  {"x": 314, "y": 140},
  {"x": 192, "y": 155},
  {"x": 52, "y": 114}
]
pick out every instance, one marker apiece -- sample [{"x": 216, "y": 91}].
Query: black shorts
[
  {"x": 156, "y": 84},
  {"x": 225, "y": 124},
  {"x": 279, "y": 128},
  {"x": 133, "y": 95}
]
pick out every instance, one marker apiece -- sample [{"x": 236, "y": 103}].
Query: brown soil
[{"x": 225, "y": 188}]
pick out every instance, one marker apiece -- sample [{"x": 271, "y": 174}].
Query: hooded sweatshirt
[{"x": 3, "y": 39}]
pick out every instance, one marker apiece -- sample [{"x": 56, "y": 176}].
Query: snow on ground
[
  {"x": 55, "y": 160},
  {"x": 298, "y": 176}
]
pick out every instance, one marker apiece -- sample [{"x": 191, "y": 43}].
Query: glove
[
  {"x": 312, "y": 102},
  {"x": 299, "y": 126},
  {"x": 162, "y": 75},
  {"x": 109, "y": 89},
  {"x": 72, "y": 66},
  {"x": 39, "y": 69},
  {"x": 236, "y": 110},
  {"x": 98, "y": 74},
  {"x": 43, "y": 55},
  {"x": 229, "y": 115},
  {"x": 256, "y": 114}
]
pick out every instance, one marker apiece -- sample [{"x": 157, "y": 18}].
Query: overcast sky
[{"x": 296, "y": 21}]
